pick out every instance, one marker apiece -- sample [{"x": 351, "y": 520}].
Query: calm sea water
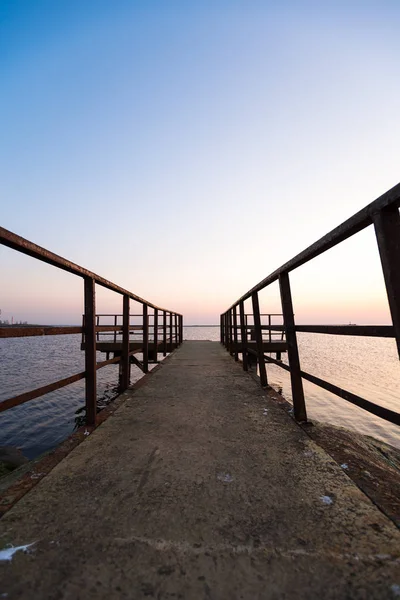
[{"x": 366, "y": 366}]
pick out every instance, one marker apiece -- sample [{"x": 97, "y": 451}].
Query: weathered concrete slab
[{"x": 199, "y": 486}]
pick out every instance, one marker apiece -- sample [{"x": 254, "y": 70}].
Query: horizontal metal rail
[
  {"x": 36, "y": 393},
  {"x": 384, "y": 331},
  {"x": 16, "y": 242},
  {"x": 371, "y": 407},
  {"x": 383, "y": 214},
  {"x": 12, "y": 332},
  {"x": 356, "y": 223}
]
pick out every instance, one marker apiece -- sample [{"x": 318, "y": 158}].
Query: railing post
[
  {"x": 164, "y": 333},
  {"x": 115, "y": 324},
  {"x": 226, "y": 330},
  {"x": 259, "y": 339},
  {"x": 243, "y": 335},
  {"x": 180, "y": 329},
  {"x": 387, "y": 230},
  {"x": 299, "y": 405},
  {"x": 235, "y": 336},
  {"x": 170, "y": 332},
  {"x": 230, "y": 332},
  {"x": 90, "y": 351},
  {"x": 176, "y": 329},
  {"x": 145, "y": 339},
  {"x": 156, "y": 335},
  {"x": 221, "y": 329},
  {"x": 125, "y": 363}
]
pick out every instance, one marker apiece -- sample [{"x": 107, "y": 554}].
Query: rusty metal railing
[
  {"x": 89, "y": 329},
  {"x": 383, "y": 214}
]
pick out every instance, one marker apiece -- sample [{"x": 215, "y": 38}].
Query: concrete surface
[{"x": 199, "y": 486}]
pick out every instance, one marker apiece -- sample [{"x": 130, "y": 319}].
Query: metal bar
[
  {"x": 145, "y": 339},
  {"x": 226, "y": 330},
  {"x": 379, "y": 411},
  {"x": 243, "y": 336},
  {"x": 46, "y": 389},
  {"x": 108, "y": 328},
  {"x": 259, "y": 341},
  {"x": 299, "y": 405},
  {"x": 176, "y": 328},
  {"x": 170, "y": 332},
  {"x": 353, "y": 225},
  {"x": 384, "y": 331},
  {"x": 180, "y": 329},
  {"x": 115, "y": 327},
  {"x": 109, "y": 361},
  {"x": 269, "y": 323},
  {"x": 11, "y": 331},
  {"x": 221, "y": 329},
  {"x": 155, "y": 334},
  {"x": 16, "y": 242},
  {"x": 387, "y": 230},
  {"x": 164, "y": 333},
  {"x": 235, "y": 338},
  {"x": 97, "y": 327},
  {"x": 277, "y": 362},
  {"x": 230, "y": 344},
  {"x": 90, "y": 351},
  {"x": 125, "y": 364}
]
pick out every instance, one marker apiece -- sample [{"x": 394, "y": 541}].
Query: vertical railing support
[
  {"x": 176, "y": 329},
  {"x": 164, "y": 333},
  {"x": 299, "y": 405},
  {"x": 156, "y": 335},
  {"x": 235, "y": 336},
  {"x": 170, "y": 332},
  {"x": 221, "y": 329},
  {"x": 90, "y": 351},
  {"x": 145, "y": 339},
  {"x": 259, "y": 340},
  {"x": 387, "y": 230},
  {"x": 125, "y": 363},
  {"x": 243, "y": 335},
  {"x": 230, "y": 320},
  {"x": 180, "y": 329},
  {"x": 226, "y": 341}
]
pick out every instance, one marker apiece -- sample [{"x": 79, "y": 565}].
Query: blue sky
[{"x": 185, "y": 150}]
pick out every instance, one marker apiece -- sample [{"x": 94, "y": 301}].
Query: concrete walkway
[{"x": 199, "y": 487}]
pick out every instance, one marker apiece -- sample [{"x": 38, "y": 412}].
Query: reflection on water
[{"x": 368, "y": 367}]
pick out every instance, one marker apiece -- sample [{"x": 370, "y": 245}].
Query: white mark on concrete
[
  {"x": 8, "y": 553},
  {"x": 37, "y": 475},
  {"x": 265, "y": 411},
  {"x": 309, "y": 453},
  {"x": 344, "y": 466},
  {"x": 225, "y": 477},
  {"x": 395, "y": 589},
  {"x": 326, "y": 499},
  {"x": 86, "y": 432}
]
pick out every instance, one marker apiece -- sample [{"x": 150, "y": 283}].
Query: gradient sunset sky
[{"x": 186, "y": 149}]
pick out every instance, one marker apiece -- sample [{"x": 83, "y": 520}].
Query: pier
[{"x": 200, "y": 484}]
